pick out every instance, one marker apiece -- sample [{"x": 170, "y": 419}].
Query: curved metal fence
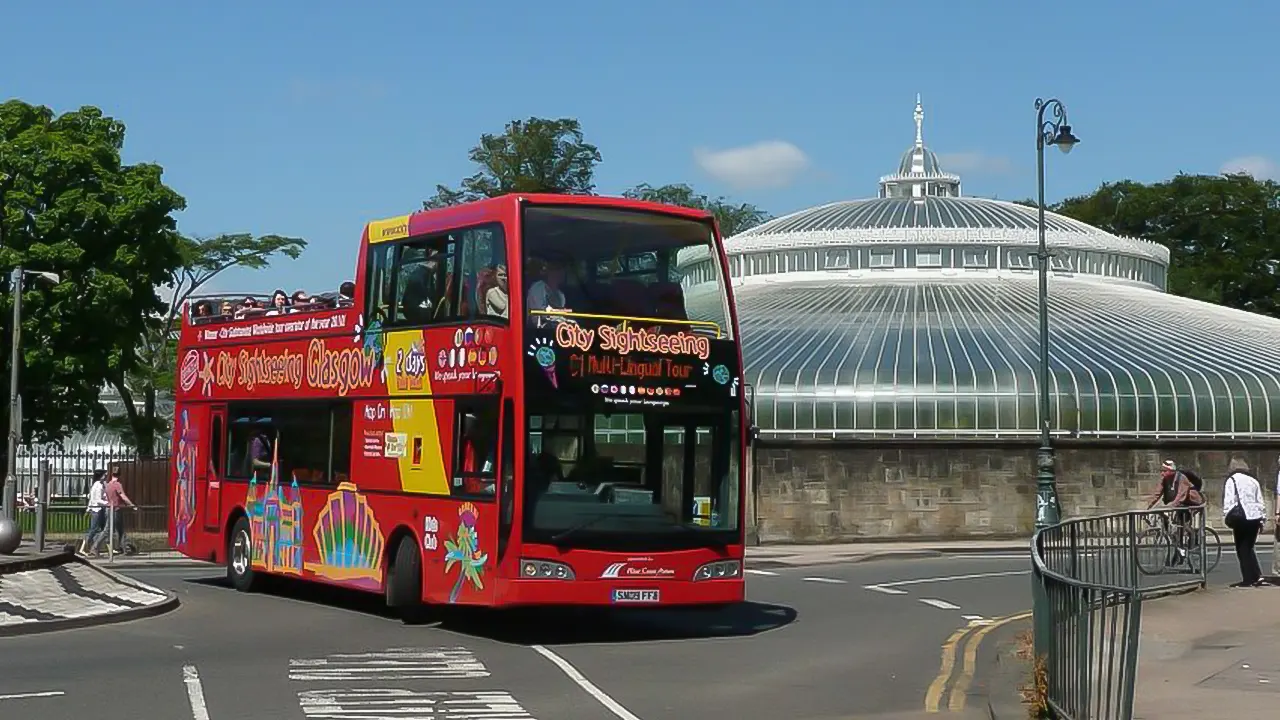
[{"x": 1090, "y": 578}]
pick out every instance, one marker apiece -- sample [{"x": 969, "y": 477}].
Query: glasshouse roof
[{"x": 914, "y": 315}]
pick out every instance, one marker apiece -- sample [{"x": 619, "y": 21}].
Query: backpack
[{"x": 1196, "y": 481}]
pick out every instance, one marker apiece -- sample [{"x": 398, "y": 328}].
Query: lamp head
[{"x": 1065, "y": 139}]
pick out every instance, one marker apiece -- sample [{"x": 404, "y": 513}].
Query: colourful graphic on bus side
[
  {"x": 275, "y": 523},
  {"x": 349, "y": 540},
  {"x": 184, "y": 500},
  {"x": 464, "y": 551}
]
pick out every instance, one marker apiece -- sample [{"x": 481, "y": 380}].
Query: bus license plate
[{"x": 636, "y": 596}]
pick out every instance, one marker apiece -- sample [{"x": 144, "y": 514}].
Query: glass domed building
[{"x": 912, "y": 315}]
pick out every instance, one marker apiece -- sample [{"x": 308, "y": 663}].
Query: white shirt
[
  {"x": 1246, "y": 488},
  {"x": 97, "y": 496}
]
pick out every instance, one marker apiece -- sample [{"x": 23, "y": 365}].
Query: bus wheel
[
  {"x": 239, "y": 553},
  {"x": 404, "y": 583}
]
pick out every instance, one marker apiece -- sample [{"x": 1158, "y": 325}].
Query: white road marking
[
  {"x": 973, "y": 617},
  {"x": 24, "y": 696},
  {"x": 831, "y": 581},
  {"x": 760, "y": 572},
  {"x": 940, "y": 604},
  {"x": 948, "y": 578},
  {"x": 445, "y": 663},
  {"x": 389, "y": 703},
  {"x": 195, "y": 693},
  {"x": 612, "y": 705},
  {"x": 885, "y": 590}
]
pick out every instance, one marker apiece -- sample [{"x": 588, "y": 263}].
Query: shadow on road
[{"x": 546, "y": 626}]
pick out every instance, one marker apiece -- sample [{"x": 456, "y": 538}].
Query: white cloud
[
  {"x": 768, "y": 164},
  {"x": 975, "y": 163},
  {"x": 1259, "y": 167}
]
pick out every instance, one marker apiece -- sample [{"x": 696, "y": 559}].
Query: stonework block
[{"x": 837, "y": 493}]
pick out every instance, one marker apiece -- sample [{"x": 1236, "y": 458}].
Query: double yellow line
[{"x": 964, "y": 644}]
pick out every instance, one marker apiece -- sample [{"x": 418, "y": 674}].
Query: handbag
[{"x": 1235, "y": 518}]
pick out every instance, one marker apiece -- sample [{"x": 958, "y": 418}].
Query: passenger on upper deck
[
  {"x": 279, "y": 303},
  {"x": 547, "y": 294},
  {"x": 492, "y": 291},
  {"x": 346, "y": 293}
]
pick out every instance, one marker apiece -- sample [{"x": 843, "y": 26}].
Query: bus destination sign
[{"x": 623, "y": 365}]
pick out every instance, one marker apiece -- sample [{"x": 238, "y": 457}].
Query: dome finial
[{"x": 919, "y": 116}]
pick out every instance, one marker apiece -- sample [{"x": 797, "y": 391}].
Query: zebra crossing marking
[
  {"x": 401, "y": 704},
  {"x": 443, "y": 663}
]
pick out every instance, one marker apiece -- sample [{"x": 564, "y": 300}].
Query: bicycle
[{"x": 1158, "y": 550}]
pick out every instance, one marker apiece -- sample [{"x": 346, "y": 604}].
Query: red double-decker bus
[{"x": 527, "y": 400}]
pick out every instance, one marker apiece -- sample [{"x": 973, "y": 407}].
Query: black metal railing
[{"x": 1091, "y": 576}]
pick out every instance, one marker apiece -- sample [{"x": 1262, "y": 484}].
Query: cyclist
[{"x": 1177, "y": 490}]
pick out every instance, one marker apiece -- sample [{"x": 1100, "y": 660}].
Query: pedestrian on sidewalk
[
  {"x": 1244, "y": 510},
  {"x": 116, "y": 501},
  {"x": 97, "y": 504}
]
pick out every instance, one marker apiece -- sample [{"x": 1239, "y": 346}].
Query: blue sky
[{"x": 309, "y": 119}]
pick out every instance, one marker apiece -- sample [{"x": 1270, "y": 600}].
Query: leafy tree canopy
[
  {"x": 553, "y": 156},
  {"x": 731, "y": 218},
  {"x": 532, "y": 156},
  {"x": 1222, "y": 231},
  {"x": 70, "y": 206}
]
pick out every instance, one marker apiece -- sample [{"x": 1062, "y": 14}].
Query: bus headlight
[
  {"x": 531, "y": 569},
  {"x": 719, "y": 570}
]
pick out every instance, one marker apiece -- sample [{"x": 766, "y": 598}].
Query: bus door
[
  {"x": 213, "y": 455},
  {"x": 473, "y": 539}
]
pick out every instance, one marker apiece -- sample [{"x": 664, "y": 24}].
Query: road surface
[{"x": 856, "y": 640}]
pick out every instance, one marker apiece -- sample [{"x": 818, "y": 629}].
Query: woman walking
[{"x": 1243, "y": 510}]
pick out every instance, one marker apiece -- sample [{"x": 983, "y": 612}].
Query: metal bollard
[
  {"x": 111, "y": 533},
  {"x": 42, "y": 503}
]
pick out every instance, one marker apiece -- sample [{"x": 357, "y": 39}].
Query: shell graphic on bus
[{"x": 349, "y": 539}]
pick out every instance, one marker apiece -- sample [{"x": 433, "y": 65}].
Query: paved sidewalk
[{"x": 1210, "y": 654}]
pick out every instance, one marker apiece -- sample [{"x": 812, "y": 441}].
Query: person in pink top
[{"x": 117, "y": 500}]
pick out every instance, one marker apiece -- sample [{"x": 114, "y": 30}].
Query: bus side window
[
  {"x": 426, "y": 290},
  {"x": 475, "y": 436},
  {"x": 484, "y": 273},
  {"x": 378, "y": 283},
  {"x": 217, "y": 437}
]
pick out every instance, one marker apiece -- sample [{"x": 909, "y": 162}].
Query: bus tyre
[
  {"x": 404, "y": 582},
  {"x": 239, "y": 553}
]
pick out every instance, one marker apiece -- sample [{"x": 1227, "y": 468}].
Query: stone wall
[{"x": 844, "y": 493}]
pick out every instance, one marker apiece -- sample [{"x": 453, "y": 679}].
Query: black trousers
[{"x": 1246, "y": 537}]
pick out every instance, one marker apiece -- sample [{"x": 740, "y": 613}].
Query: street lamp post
[
  {"x": 15, "y": 402},
  {"x": 1054, "y": 131},
  {"x": 1051, "y": 131}
]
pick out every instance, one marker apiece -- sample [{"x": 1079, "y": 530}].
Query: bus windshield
[
  {"x": 645, "y": 479},
  {"x": 591, "y": 265}
]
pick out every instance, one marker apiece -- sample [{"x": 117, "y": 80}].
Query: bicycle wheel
[
  {"x": 1153, "y": 547},
  {"x": 1212, "y": 552}
]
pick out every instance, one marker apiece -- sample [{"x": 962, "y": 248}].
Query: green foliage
[
  {"x": 532, "y": 156},
  {"x": 1223, "y": 233},
  {"x": 155, "y": 358},
  {"x": 70, "y": 206},
  {"x": 731, "y": 218}
]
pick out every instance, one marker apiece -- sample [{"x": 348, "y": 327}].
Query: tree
[
  {"x": 532, "y": 156},
  {"x": 152, "y": 371},
  {"x": 732, "y": 218},
  {"x": 69, "y": 205},
  {"x": 1222, "y": 231}
]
